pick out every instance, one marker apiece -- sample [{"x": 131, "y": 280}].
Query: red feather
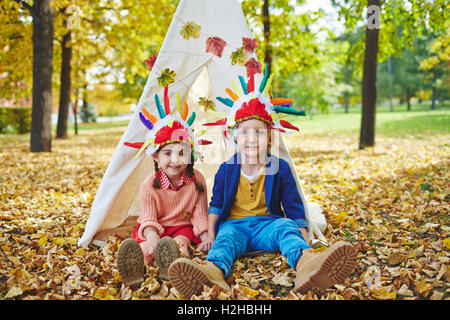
[
  {"x": 220, "y": 122},
  {"x": 251, "y": 81},
  {"x": 287, "y": 125},
  {"x": 253, "y": 65},
  {"x": 136, "y": 145},
  {"x": 166, "y": 101},
  {"x": 203, "y": 142}
]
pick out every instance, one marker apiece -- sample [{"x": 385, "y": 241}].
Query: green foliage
[
  {"x": 16, "y": 51},
  {"x": 18, "y": 119}
]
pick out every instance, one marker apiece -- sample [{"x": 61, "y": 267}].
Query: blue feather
[
  {"x": 226, "y": 101},
  {"x": 145, "y": 121},
  {"x": 191, "y": 119},
  {"x": 161, "y": 112},
  {"x": 293, "y": 111},
  {"x": 243, "y": 84}
]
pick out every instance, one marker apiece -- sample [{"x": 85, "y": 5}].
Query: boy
[{"x": 245, "y": 209}]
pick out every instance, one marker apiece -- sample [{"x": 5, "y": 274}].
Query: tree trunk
[
  {"x": 64, "y": 98},
  {"x": 408, "y": 98},
  {"x": 346, "y": 94},
  {"x": 41, "y": 123},
  {"x": 75, "y": 107},
  {"x": 391, "y": 105},
  {"x": 266, "y": 25},
  {"x": 433, "y": 99},
  {"x": 369, "y": 88}
]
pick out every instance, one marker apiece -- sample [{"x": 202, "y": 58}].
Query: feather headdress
[
  {"x": 246, "y": 102},
  {"x": 171, "y": 127}
]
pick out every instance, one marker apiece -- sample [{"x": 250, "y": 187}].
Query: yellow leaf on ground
[
  {"x": 423, "y": 288},
  {"x": 13, "y": 292},
  {"x": 43, "y": 240},
  {"x": 59, "y": 241},
  {"x": 446, "y": 242}
]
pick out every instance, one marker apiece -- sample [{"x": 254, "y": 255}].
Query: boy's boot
[
  {"x": 318, "y": 271},
  {"x": 130, "y": 262},
  {"x": 189, "y": 277},
  {"x": 166, "y": 251}
]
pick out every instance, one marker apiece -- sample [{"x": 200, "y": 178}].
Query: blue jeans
[{"x": 240, "y": 236}]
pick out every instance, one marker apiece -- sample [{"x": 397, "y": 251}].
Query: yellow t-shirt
[{"x": 250, "y": 199}]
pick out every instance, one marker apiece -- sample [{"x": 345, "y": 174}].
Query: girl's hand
[
  {"x": 151, "y": 240},
  {"x": 207, "y": 241}
]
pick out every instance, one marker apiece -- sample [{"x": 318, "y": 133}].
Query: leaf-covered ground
[{"x": 391, "y": 202}]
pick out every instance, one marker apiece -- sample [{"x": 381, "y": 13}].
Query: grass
[{"x": 420, "y": 120}]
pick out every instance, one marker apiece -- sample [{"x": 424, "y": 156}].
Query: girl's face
[
  {"x": 252, "y": 138},
  {"x": 173, "y": 158}
]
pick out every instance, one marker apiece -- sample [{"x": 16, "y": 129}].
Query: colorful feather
[
  {"x": 149, "y": 116},
  {"x": 268, "y": 85},
  {"x": 287, "y": 125},
  {"x": 226, "y": 101},
  {"x": 161, "y": 112},
  {"x": 243, "y": 84},
  {"x": 145, "y": 121},
  {"x": 136, "y": 145},
  {"x": 203, "y": 142},
  {"x": 145, "y": 145},
  {"x": 178, "y": 103},
  {"x": 264, "y": 80},
  {"x": 251, "y": 82},
  {"x": 166, "y": 101},
  {"x": 217, "y": 123},
  {"x": 191, "y": 119},
  {"x": 237, "y": 89},
  {"x": 185, "y": 111},
  {"x": 232, "y": 95},
  {"x": 279, "y": 101},
  {"x": 289, "y": 111}
]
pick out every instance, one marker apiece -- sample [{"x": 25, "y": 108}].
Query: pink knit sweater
[{"x": 166, "y": 208}]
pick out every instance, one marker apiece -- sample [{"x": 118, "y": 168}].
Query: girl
[{"x": 173, "y": 198}]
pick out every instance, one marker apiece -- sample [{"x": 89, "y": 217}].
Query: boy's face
[
  {"x": 252, "y": 137},
  {"x": 173, "y": 158}
]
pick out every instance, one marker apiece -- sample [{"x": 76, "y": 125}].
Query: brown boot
[
  {"x": 318, "y": 271},
  {"x": 166, "y": 251},
  {"x": 130, "y": 262},
  {"x": 189, "y": 277}
]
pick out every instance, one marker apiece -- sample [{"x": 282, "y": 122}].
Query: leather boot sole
[
  {"x": 335, "y": 266},
  {"x": 166, "y": 251},
  {"x": 187, "y": 278},
  {"x": 130, "y": 262}
]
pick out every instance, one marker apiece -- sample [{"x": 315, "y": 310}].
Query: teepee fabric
[{"x": 203, "y": 69}]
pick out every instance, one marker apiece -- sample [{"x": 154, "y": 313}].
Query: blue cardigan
[{"x": 280, "y": 189}]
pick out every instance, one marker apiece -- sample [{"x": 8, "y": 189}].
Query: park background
[{"x": 389, "y": 197}]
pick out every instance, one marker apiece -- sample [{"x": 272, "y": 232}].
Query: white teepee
[{"x": 198, "y": 74}]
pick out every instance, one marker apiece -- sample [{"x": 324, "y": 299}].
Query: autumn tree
[
  {"x": 414, "y": 17},
  {"x": 42, "y": 15}
]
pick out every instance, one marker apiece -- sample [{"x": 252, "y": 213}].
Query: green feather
[
  {"x": 243, "y": 84},
  {"x": 264, "y": 80},
  {"x": 191, "y": 119},
  {"x": 161, "y": 112},
  {"x": 293, "y": 111}
]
